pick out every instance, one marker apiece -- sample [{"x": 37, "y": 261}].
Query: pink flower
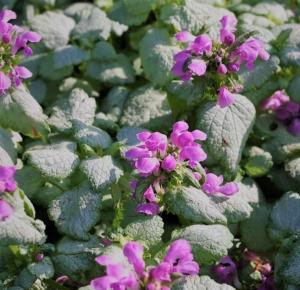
[
  {"x": 19, "y": 73},
  {"x": 149, "y": 194},
  {"x": 5, "y": 83},
  {"x": 213, "y": 184},
  {"x": 294, "y": 127},
  {"x": 134, "y": 253},
  {"x": 169, "y": 163},
  {"x": 275, "y": 101},
  {"x": 179, "y": 69},
  {"x": 226, "y": 271},
  {"x": 5, "y": 210},
  {"x": 225, "y": 97},
  {"x": 222, "y": 69},
  {"x": 228, "y": 23},
  {"x": 184, "y": 36},
  {"x": 249, "y": 51},
  {"x": 193, "y": 154},
  {"x": 151, "y": 208},
  {"x": 7, "y": 182},
  {"x": 202, "y": 44},
  {"x": 198, "y": 67},
  {"x": 7, "y": 15},
  {"x": 22, "y": 42},
  {"x": 147, "y": 165}
]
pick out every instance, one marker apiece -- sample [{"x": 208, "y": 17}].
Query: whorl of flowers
[
  {"x": 159, "y": 160},
  {"x": 286, "y": 111},
  {"x": 202, "y": 57},
  {"x": 14, "y": 45},
  {"x": 7, "y": 184},
  {"x": 177, "y": 262}
]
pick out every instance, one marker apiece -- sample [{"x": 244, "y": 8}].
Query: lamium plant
[
  {"x": 217, "y": 63},
  {"x": 149, "y": 145}
]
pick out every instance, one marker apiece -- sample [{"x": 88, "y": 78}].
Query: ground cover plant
[{"x": 149, "y": 145}]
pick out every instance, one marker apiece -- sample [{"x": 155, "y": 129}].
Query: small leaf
[
  {"x": 54, "y": 27},
  {"x": 101, "y": 171},
  {"x": 156, "y": 54},
  {"x": 93, "y": 25},
  {"x": 193, "y": 205},
  {"x": 227, "y": 131},
  {"x": 19, "y": 111},
  {"x": 259, "y": 162},
  {"x": 77, "y": 106},
  {"x": 56, "y": 161},
  {"x": 147, "y": 229},
  {"x": 75, "y": 212},
  {"x": 90, "y": 135},
  {"x": 21, "y": 229},
  {"x": 69, "y": 55},
  {"x": 8, "y": 152},
  {"x": 147, "y": 107},
  {"x": 254, "y": 230},
  {"x": 209, "y": 242},
  {"x": 283, "y": 223},
  {"x": 115, "y": 72}
]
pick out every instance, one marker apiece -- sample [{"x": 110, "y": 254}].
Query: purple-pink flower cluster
[
  {"x": 203, "y": 57},
  {"x": 286, "y": 111},
  {"x": 157, "y": 158},
  {"x": 14, "y": 42},
  {"x": 177, "y": 262},
  {"x": 7, "y": 184}
]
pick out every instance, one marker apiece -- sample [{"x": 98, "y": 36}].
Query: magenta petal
[
  {"x": 169, "y": 163},
  {"x": 294, "y": 127},
  {"x": 10, "y": 185},
  {"x": 222, "y": 69},
  {"x": 146, "y": 165},
  {"x": 180, "y": 126},
  {"x": 149, "y": 194},
  {"x": 212, "y": 182},
  {"x": 103, "y": 260},
  {"x": 199, "y": 135},
  {"x": 102, "y": 283},
  {"x": 184, "y": 36},
  {"x": 136, "y": 152},
  {"x": 134, "y": 253},
  {"x": 23, "y": 72},
  {"x": 151, "y": 208},
  {"x": 229, "y": 22},
  {"x": 177, "y": 250},
  {"x": 5, "y": 210},
  {"x": 115, "y": 270},
  {"x": 193, "y": 153},
  {"x": 202, "y": 44},
  {"x": 31, "y": 36},
  {"x": 7, "y": 15},
  {"x": 229, "y": 188},
  {"x": 7, "y": 172},
  {"x": 162, "y": 272},
  {"x": 143, "y": 136},
  {"x": 198, "y": 67},
  {"x": 5, "y": 83},
  {"x": 185, "y": 139},
  {"x": 225, "y": 97},
  {"x": 187, "y": 268}
]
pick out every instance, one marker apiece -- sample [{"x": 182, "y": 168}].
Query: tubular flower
[
  {"x": 7, "y": 182},
  {"x": 158, "y": 160},
  {"x": 14, "y": 45},
  {"x": 177, "y": 262},
  {"x": 202, "y": 57},
  {"x": 286, "y": 112}
]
